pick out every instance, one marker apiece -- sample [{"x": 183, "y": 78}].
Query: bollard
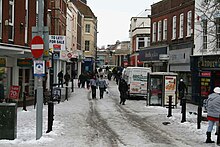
[
  {"x": 24, "y": 101},
  {"x": 66, "y": 98},
  {"x": 170, "y": 106},
  {"x": 218, "y": 134},
  {"x": 199, "y": 116},
  {"x": 50, "y": 116},
  {"x": 72, "y": 85},
  {"x": 183, "y": 110}
]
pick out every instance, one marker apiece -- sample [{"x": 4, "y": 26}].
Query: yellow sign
[{"x": 46, "y": 53}]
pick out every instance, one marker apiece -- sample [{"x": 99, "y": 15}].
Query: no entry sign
[{"x": 37, "y": 47}]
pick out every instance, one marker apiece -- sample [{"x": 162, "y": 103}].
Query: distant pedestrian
[
  {"x": 182, "y": 89},
  {"x": 102, "y": 86},
  {"x": 213, "y": 111},
  {"x": 67, "y": 78},
  {"x": 60, "y": 78},
  {"x": 82, "y": 80},
  {"x": 2, "y": 95},
  {"x": 123, "y": 89},
  {"x": 93, "y": 83}
]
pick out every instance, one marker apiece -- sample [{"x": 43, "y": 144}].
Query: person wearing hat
[{"x": 213, "y": 112}]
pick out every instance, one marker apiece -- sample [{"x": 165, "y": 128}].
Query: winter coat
[
  {"x": 102, "y": 83},
  {"x": 67, "y": 77},
  {"x": 122, "y": 87},
  {"x": 93, "y": 82},
  {"x": 213, "y": 105}
]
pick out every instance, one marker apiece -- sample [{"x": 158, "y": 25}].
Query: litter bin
[{"x": 8, "y": 121}]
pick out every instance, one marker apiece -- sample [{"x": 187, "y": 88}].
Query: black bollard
[
  {"x": 50, "y": 116},
  {"x": 66, "y": 98},
  {"x": 72, "y": 85},
  {"x": 24, "y": 101},
  {"x": 199, "y": 116},
  {"x": 218, "y": 135},
  {"x": 170, "y": 106},
  {"x": 183, "y": 110}
]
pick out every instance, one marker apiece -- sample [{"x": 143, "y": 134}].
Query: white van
[{"x": 137, "y": 80}]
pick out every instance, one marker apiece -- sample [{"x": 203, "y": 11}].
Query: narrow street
[{"x": 85, "y": 122}]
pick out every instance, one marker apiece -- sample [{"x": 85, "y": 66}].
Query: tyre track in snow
[
  {"x": 100, "y": 125},
  {"x": 151, "y": 131}
]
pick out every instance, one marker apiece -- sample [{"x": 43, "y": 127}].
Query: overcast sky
[{"x": 114, "y": 17}]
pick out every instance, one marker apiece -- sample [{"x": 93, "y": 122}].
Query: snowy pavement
[{"x": 84, "y": 122}]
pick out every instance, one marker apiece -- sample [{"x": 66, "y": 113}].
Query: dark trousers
[
  {"x": 93, "y": 91},
  {"x": 123, "y": 96},
  {"x": 101, "y": 90}
]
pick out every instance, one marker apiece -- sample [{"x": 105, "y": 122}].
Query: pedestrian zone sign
[{"x": 39, "y": 68}]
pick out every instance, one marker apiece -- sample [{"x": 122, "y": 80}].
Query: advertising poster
[
  {"x": 57, "y": 43},
  {"x": 170, "y": 89},
  {"x": 14, "y": 92}
]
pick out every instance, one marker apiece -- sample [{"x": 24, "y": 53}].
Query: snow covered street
[{"x": 85, "y": 122}]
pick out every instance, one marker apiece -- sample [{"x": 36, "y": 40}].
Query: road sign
[{"x": 37, "y": 47}]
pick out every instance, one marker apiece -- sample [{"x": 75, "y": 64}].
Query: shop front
[
  {"x": 87, "y": 65},
  {"x": 151, "y": 58},
  {"x": 205, "y": 73}
]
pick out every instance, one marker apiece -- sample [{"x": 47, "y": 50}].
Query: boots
[{"x": 208, "y": 140}]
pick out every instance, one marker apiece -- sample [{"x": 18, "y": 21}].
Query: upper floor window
[
  {"x": 218, "y": 33},
  {"x": 204, "y": 27},
  {"x": 174, "y": 28},
  {"x": 165, "y": 29},
  {"x": 87, "y": 45},
  {"x": 141, "y": 42},
  {"x": 87, "y": 28},
  {"x": 154, "y": 32},
  {"x": 11, "y": 20},
  {"x": 159, "y": 35},
  {"x": 181, "y": 25},
  {"x": 189, "y": 23}
]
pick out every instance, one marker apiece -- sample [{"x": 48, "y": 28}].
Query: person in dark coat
[
  {"x": 60, "y": 78},
  {"x": 67, "y": 78},
  {"x": 213, "y": 111},
  {"x": 181, "y": 89},
  {"x": 123, "y": 89},
  {"x": 82, "y": 80}
]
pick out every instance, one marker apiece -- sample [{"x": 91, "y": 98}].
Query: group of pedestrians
[{"x": 62, "y": 77}]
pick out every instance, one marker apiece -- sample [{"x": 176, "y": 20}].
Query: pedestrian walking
[
  {"x": 67, "y": 78},
  {"x": 123, "y": 89},
  {"x": 213, "y": 111},
  {"x": 93, "y": 83},
  {"x": 102, "y": 86},
  {"x": 60, "y": 78},
  {"x": 82, "y": 80},
  {"x": 182, "y": 89}
]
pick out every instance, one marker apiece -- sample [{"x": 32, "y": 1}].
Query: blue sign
[{"x": 39, "y": 67}]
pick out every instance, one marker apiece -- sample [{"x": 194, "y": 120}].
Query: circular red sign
[
  {"x": 69, "y": 55},
  {"x": 37, "y": 47}
]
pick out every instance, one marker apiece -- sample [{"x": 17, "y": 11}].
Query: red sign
[
  {"x": 69, "y": 55},
  {"x": 205, "y": 74},
  {"x": 37, "y": 46},
  {"x": 14, "y": 92}
]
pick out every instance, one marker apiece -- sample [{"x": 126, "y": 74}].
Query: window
[
  {"x": 87, "y": 45},
  {"x": 181, "y": 25},
  {"x": 11, "y": 20},
  {"x": 140, "y": 42},
  {"x": 165, "y": 29},
  {"x": 26, "y": 22},
  {"x": 204, "y": 26},
  {"x": 0, "y": 18},
  {"x": 189, "y": 23},
  {"x": 159, "y": 31},
  {"x": 87, "y": 28},
  {"x": 148, "y": 41},
  {"x": 218, "y": 33},
  {"x": 174, "y": 28},
  {"x": 154, "y": 32}
]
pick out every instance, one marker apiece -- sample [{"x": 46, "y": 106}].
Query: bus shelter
[{"x": 161, "y": 86}]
